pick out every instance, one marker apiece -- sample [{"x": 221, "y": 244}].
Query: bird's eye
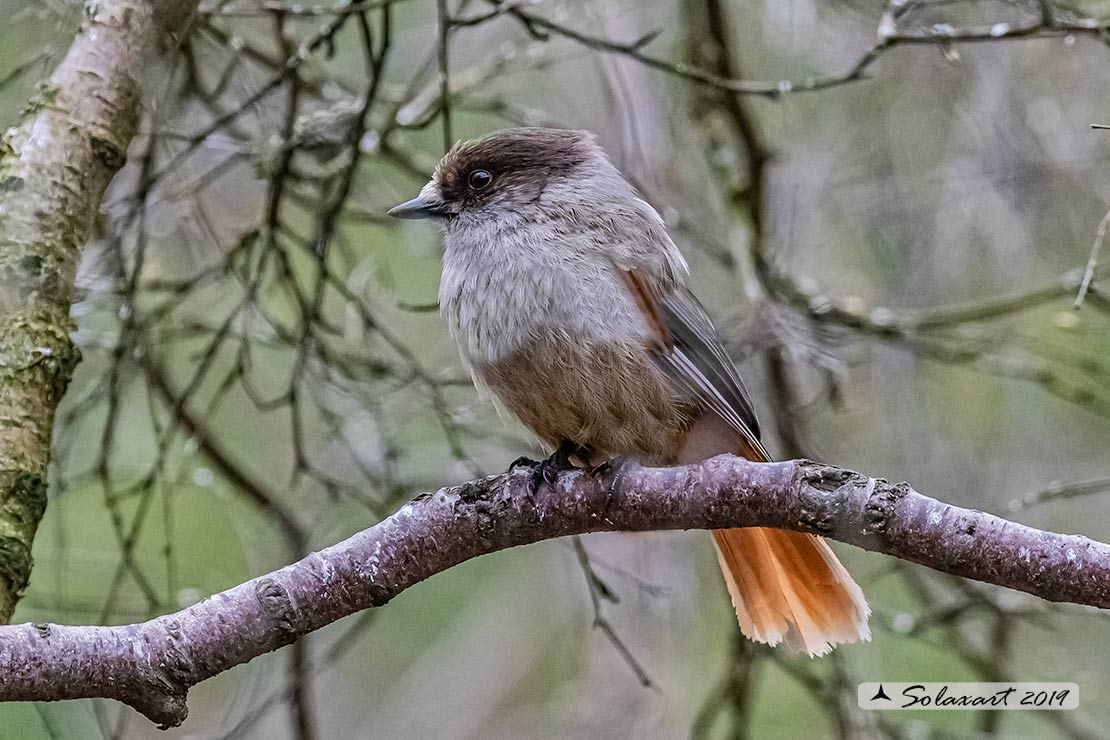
[{"x": 479, "y": 179}]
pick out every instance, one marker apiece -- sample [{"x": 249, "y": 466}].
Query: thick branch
[
  {"x": 152, "y": 665},
  {"x": 54, "y": 167}
]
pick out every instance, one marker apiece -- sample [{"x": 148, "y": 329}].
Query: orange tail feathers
[{"x": 788, "y": 587}]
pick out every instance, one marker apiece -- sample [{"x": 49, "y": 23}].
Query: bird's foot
[
  {"x": 604, "y": 468},
  {"x": 522, "y": 462},
  {"x": 612, "y": 470},
  {"x": 612, "y": 467},
  {"x": 548, "y": 469}
]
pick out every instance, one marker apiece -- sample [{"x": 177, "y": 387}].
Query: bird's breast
[
  {"x": 545, "y": 323},
  {"x": 499, "y": 295}
]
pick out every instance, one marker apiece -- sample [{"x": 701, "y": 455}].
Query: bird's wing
[{"x": 685, "y": 344}]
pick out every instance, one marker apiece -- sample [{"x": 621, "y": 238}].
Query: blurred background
[{"x": 890, "y": 209}]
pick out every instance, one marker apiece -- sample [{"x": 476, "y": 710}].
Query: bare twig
[
  {"x": 1092, "y": 261},
  {"x": 599, "y": 590}
]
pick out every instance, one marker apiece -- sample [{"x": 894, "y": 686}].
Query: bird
[{"x": 568, "y": 300}]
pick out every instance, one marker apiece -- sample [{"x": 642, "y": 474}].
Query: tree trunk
[{"x": 54, "y": 167}]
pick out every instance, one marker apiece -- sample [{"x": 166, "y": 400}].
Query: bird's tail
[{"x": 788, "y": 587}]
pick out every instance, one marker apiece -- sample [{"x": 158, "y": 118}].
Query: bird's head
[{"x": 508, "y": 173}]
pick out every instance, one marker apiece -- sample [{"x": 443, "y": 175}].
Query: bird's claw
[
  {"x": 548, "y": 469},
  {"x": 522, "y": 462},
  {"x": 612, "y": 470},
  {"x": 603, "y": 468}
]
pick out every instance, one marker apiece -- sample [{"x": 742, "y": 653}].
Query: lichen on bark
[{"x": 55, "y": 164}]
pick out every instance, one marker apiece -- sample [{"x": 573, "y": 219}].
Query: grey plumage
[{"x": 544, "y": 253}]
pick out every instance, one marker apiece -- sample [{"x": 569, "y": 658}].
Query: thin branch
[
  {"x": 295, "y": 10},
  {"x": 599, "y": 590},
  {"x": 889, "y": 37},
  {"x": 1092, "y": 262},
  {"x": 443, "y": 61},
  {"x": 152, "y": 665},
  {"x": 1060, "y": 491}
]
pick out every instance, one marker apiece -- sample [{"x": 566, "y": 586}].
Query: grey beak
[{"x": 417, "y": 208}]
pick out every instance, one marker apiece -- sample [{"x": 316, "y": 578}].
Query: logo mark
[{"x": 880, "y": 694}]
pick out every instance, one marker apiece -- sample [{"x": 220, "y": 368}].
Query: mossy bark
[{"x": 55, "y": 164}]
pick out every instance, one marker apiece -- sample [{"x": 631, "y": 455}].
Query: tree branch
[
  {"x": 54, "y": 167},
  {"x": 152, "y": 665}
]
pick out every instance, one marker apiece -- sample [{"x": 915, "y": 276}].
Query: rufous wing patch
[{"x": 660, "y": 339}]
